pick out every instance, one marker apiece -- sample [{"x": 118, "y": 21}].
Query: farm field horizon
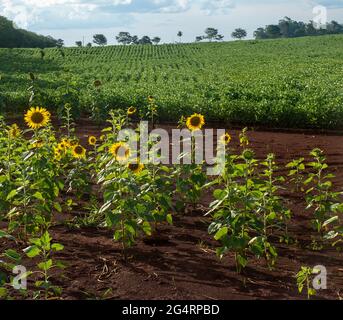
[
  {"x": 98, "y": 201},
  {"x": 287, "y": 83}
]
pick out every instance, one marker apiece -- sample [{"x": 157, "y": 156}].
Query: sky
[{"x": 74, "y": 20}]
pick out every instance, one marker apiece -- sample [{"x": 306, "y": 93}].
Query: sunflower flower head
[
  {"x": 248, "y": 154},
  {"x": 225, "y": 139},
  {"x": 131, "y": 111},
  {"x": 65, "y": 144},
  {"x": 38, "y": 144},
  {"x": 57, "y": 156},
  {"x": 92, "y": 140},
  {"x": 14, "y": 131},
  {"x": 120, "y": 151},
  {"x": 79, "y": 152},
  {"x": 37, "y": 117},
  {"x": 195, "y": 122},
  {"x": 135, "y": 166}
]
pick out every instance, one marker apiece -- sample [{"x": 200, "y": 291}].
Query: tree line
[
  {"x": 288, "y": 28},
  {"x": 12, "y": 37}
]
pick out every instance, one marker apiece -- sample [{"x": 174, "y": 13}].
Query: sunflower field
[
  {"x": 279, "y": 83},
  {"x": 47, "y": 173}
]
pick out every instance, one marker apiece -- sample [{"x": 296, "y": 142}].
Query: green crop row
[{"x": 284, "y": 82}]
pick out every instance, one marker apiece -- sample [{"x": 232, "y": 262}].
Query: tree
[
  {"x": 13, "y": 37},
  {"x": 89, "y": 45},
  {"x": 239, "y": 33},
  {"x": 273, "y": 31},
  {"x": 145, "y": 40},
  {"x": 199, "y": 38},
  {"x": 100, "y": 40},
  {"x": 78, "y": 43},
  {"x": 260, "y": 34},
  {"x": 211, "y": 34},
  {"x": 288, "y": 28},
  {"x": 156, "y": 40},
  {"x": 60, "y": 43},
  {"x": 334, "y": 27},
  {"x": 180, "y": 34},
  {"x": 124, "y": 38},
  {"x": 134, "y": 40}
]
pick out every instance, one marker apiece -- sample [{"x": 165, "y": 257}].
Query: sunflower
[
  {"x": 60, "y": 147},
  {"x": 79, "y": 152},
  {"x": 38, "y": 144},
  {"x": 37, "y": 117},
  {"x": 135, "y": 166},
  {"x": 92, "y": 140},
  {"x": 225, "y": 139},
  {"x": 131, "y": 111},
  {"x": 65, "y": 144},
  {"x": 57, "y": 156},
  {"x": 195, "y": 122},
  {"x": 120, "y": 151},
  {"x": 151, "y": 99},
  {"x": 14, "y": 131},
  {"x": 248, "y": 154}
]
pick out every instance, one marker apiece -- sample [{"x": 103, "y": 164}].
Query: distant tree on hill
[
  {"x": 273, "y": 31},
  {"x": 78, "y": 43},
  {"x": 145, "y": 40},
  {"x": 334, "y": 28},
  {"x": 156, "y": 40},
  {"x": 100, "y": 39},
  {"x": 212, "y": 34},
  {"x": 288, "y": 28},
  {"x": 13, "y": 37},
  {"x": 60, "y": 43},
  {"x": 239, "y": 33},
  {"x": 124, "y": 38},
  {"x": 180, "y": 34},
  {"x": 134, "y": 40},
  {"x": 89, "y": 45},
  {"x": 199, "y": 38},
  {"x": 260, "y": 34},
  {"x": 219, "y": 37}
]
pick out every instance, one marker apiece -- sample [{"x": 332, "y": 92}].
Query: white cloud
[
  {"x": 61, "y": 18},
  {"x": 30, "y": 13}
]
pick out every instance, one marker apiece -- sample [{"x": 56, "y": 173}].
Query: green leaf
[
  {"x": 32, "y": 251},
  {"x": 219, "y": 194},
  {"x": 58, "y": 207},
  {"x": 45, "y": 265},
  {"x": 221, "y": 233},
  {"x": 39, "y": 196},
  {"x": 3, "y": 292},
  {"x": 11, "y": 195},
  {"x": 46, "y": 238},
  {"x": 12, "y": 254},
  {"x": 147, "y": 228},
  {"x": 57, "y": 247},
  {"x": 3, "y": 234},
  {"x": 242, "y": 261},
  {"x": 3, "y": 179},
  {"x": 169, "y": 218}
]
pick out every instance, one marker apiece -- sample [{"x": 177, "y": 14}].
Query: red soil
[{"x": 183, "y": 265}]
